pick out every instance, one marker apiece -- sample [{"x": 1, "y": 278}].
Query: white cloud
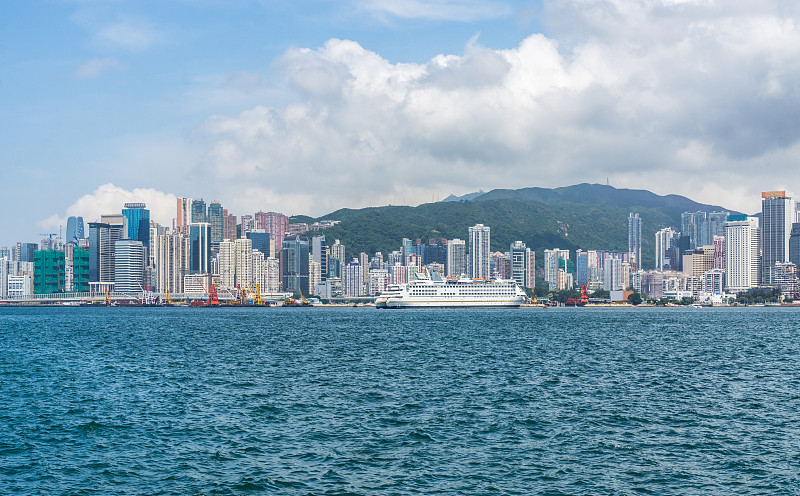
[
  {"x": 130, "y": 34},
  {"x": 449, "y": 10},
  {"x": 93, "y": 68},
  {"x": 110, "y": 199},
  {"x": 685, "y": 97}
]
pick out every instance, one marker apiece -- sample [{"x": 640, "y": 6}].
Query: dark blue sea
[{"x": 358, "y": 401}]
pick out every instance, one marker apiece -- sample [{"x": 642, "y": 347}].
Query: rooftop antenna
[{"x": 606, "y": 180}]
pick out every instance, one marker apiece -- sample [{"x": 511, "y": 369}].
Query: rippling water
[{"x": 340, "y": 401}]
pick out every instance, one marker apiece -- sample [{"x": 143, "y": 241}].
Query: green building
[
  {"x": 48, "y": 271},
  {"x": 80, "y": 269}
]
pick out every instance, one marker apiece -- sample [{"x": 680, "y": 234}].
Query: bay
[{"x": 335, "y": 401}]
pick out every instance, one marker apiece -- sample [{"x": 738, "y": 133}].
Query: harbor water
[{"x": 359, "y": 401}]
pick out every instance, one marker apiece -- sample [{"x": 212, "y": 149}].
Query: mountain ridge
[{"x": 586, "y": 216}]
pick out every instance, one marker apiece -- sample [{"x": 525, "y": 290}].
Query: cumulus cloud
[
  {"x": 668, "y": 95},
  {"x": 110, "y": 199}
]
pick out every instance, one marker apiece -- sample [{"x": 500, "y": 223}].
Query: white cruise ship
[{"x": 451, "y": 293}]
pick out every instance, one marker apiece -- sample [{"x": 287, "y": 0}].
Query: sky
[{"x": 305, "y": 107}]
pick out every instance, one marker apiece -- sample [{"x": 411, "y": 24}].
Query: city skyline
[{"x": 312, "y": 106}]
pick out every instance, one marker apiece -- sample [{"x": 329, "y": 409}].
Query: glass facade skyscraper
[
  {"x": 215, "y": 221},
  {"x": 75, "y": 229},
  {"x": 777, "y": 217},
  {"x": 138, "y": 220},
  {"x": 199, "y": 248},
  {"x": 199, "y": 213},
  {"x": 294, "y": 256}
]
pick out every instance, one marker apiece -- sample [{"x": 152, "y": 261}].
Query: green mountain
[{"x": 587, "y": 216}]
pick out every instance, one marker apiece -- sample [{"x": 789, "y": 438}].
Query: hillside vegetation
[{"x": 587, "y": 216}]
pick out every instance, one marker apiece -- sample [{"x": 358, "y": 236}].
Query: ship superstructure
[{"x": 433, "y": 291}]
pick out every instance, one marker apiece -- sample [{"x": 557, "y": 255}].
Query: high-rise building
[
  {"x": 363, "y": 261},
  {"x": 777, "y": 216},
  {"x": 215, "y": 221},
  {"x": 581, "y": 268},
  {"x": 128, "y": 266},
  {"x": 276, "y": 224},
  {"x": 75, "y": 229},
  {"x": 49, "y": 272},
  {"x": 137, "y": 218},
  {"x": 719, "y": 250},
  {"x": 183, "y": 216},
  {"x": 23, "y": 252},
  {"x": 338, "y": 253},
  {"x": 199, "y": 213},
  {"x": 530, "y": 268},
  {"x": 227, "y": 264},
  {"x": 319, "y": 253},
  {"x": 353, "y": 279},
  {"x": 552, "y": 265},
  {"x": 479, "y": 251},
  {"x": 742, "y": 257},
  {"x": 794, "y": 245},
  {"x": 103, "y": 237},
  {"x": 243, "y": 252},
  {"x": 665, "y": 245},
  {"x": 199, "y": 247},
  {"x": 172, "y": 263},
  {"x": 77, "y": 268},
  {"x": 229, "y": 228},
  {"x": 518, "y": 262},
  {"x": 248, "y": 224},
  {"x": 715, "y": 225},
  {"x": 294, "y": 257},
  {"x": 634, "y": 241},
  {"x": 693, "y": 225},
  {"x": 456, "y": 258},
  {"x": 261, "y": 241}
]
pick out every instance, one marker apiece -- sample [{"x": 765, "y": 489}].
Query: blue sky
[{"x": 306, "y": 107}]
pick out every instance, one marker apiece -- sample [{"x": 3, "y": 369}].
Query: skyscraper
[
  {"x": 128, "y": 266},
  {"x": 456, "y": 258},
  {"x": 243, "y": 253},
  {"x": 173, "y": 261},
  {"x": 319, "y": 253},
  {"x": 517, "y": 255},
  {"x": 479, "y": 254},
  {"x": 552, "y": 264},
  {"x": 665, "y": 245},
  {"x": 199, "y": 248},
  {"x": 777, "y": 217},
  {"x": 227, "y": 264},
  {"x": 742, "y": 259},
  {"x": 261, "y": 241},
  {"x": 199, "y": 213},
  {"x": 275, "y": 224},
  {"x": 103, "y": 237},
  {"x": 183, "y": 215},
  {"x": 229, "y": 227},
  {"x": 138, "y": 222},
  {"x": 794, "y": 245},
  {"x": 215, "y": 221},
  {"x": 294, "y": 256},
  {"x": 75, "y": 229},
  {"x": 634, "y": 241}
]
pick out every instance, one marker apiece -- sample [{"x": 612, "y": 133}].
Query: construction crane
[
  {"x": 50, "y": 235},
  {"x": 256, "y": 294},
  {"x": 584, "y": 296},
  {"x": 211, "y": 293}
]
